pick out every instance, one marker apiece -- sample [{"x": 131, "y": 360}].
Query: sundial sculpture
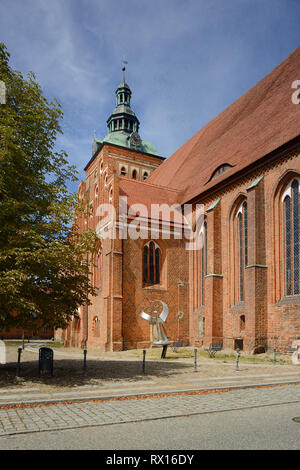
[{"x": 158, "y": 333}]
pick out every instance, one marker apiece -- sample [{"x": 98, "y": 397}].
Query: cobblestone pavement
[{"x": 67, "y": 416}]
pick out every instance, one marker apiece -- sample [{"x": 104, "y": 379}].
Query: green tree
[{"x": 43, "y": 275}]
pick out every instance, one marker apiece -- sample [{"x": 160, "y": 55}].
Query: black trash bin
[{"x": 45, "y": 361}]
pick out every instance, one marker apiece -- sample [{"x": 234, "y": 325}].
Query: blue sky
[{"x": 188, "y": 59}]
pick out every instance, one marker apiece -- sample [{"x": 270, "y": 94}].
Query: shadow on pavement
[{"x": 69, "y": 372}]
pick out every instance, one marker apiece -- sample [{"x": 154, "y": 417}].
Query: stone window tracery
[
  {"x": 241, "y": 249},
  {"x": 290, "y": 237}
]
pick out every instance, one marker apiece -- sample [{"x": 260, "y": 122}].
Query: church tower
[{"x": 118, "y": 168}]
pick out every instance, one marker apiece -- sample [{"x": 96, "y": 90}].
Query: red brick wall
[
  {"x": 271, "y": 320},
  {"x": 173, "y": 291},
  {"x": 16, "y": 333}
]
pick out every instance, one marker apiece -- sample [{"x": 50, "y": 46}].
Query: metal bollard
[
  {"x": 144, "y": 362},
  {"x": 19, "y": 361},
  {"x": 195, "y": 360},
  {"x": 274, "y": 357},
  {"x": 237, "y": 359},
  {"x": 84, "y": 360}
]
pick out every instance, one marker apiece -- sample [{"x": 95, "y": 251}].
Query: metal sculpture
[{"x": 158, "y": 334}]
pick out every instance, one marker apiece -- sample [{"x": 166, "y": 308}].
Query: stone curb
[{"x": 145, "y": 394}]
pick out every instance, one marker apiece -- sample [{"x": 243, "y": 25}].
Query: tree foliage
[{"x": 43, "y": 275}]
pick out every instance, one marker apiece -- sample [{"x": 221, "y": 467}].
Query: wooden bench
[
  {"x": 213, "y": 349},
  {"x": 176, "y": 344},
  {"x": 290, "y": 350}
]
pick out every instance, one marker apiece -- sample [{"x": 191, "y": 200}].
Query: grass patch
[
  {"x": 188, "y": 353},
  {"x": 18, "y": 342},
  {"x": 54, "y": 344},
  {"x": 255, "y": 359}
]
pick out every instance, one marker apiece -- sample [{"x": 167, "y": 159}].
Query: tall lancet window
[
  {"x": 245, "y": 234},
  {"x": 203, "y": 241},
  {"x": 291, "y": 239},
  {"x": 242, "y": 248},
  {"x": 200, "y": 268},
  {"x": 98, "y": 276},
  {"x": 152, "y": 264}
]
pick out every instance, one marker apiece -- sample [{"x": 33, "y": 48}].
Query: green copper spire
[
  {"x": 122, "y": 122},
  {"x": 123, "y": 118},
  {"x": 123, "y": 125}
]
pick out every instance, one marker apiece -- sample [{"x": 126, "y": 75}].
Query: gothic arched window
[
  {"x": 203, "y": 260},
  {"x": 291, "y": 238},
  {"x": 200, "y": 268},
  {"x": 242, "y": 248},
  {"x": 99, "y": 269},
  {"x": 152, "y": 264},
  {"x": 96, "y": 327}
]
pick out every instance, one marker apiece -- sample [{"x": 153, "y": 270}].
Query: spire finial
[{"x": 124, "y": 62}]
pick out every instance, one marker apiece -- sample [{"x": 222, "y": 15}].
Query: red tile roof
[
  {"x": 259, "y": 122},
  {"x": 142, "y": 192}
]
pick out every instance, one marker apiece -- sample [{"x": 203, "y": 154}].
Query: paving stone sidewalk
[
  {"x": 67, "y": 416},
  {"x": 33, "y": 395}
]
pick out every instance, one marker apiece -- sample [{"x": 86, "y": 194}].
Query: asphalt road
[{"x": 269, "y": 427}]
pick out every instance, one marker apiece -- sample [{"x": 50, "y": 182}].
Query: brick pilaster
[
  {"x": 213, "y": 297},
  {"x": 256, "y": 270}
]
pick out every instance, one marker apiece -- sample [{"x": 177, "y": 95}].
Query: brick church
[{"x": 241, "y": 286}]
